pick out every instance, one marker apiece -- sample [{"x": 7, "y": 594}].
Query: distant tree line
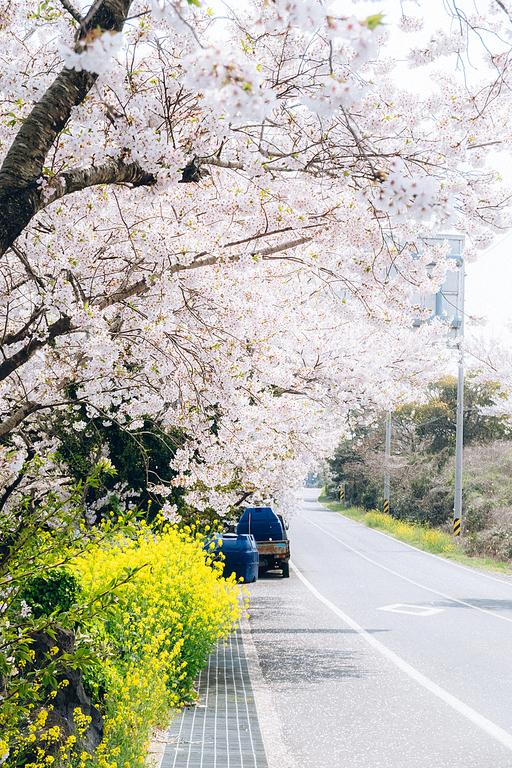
[{"x": 423, "y": 445}]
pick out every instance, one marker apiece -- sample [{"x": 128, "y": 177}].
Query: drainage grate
[{"x": 222, "y": 731}]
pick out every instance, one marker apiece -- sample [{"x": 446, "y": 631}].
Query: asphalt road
[{"x": 375, "y": 654}]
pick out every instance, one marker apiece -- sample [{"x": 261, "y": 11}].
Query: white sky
[{"x": 489, "y": 280}]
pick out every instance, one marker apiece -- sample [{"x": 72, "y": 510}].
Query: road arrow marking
[
  {"x": 410, "y": 581},
  {"x": 412, "y": 610}
]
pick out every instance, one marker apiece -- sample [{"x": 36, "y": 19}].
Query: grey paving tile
[{"x": 223, "y": 730}]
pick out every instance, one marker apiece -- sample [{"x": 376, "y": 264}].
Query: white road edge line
[
  {"x": 504, "y": 737},
  {"x": 410, "y": 581},
  {"x": 278, "y": 755}
]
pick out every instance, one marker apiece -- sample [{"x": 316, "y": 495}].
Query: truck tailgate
[{"x": 275, "y": 548}]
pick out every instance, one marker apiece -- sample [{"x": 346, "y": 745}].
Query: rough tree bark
[{"x": 20, "y": 198}]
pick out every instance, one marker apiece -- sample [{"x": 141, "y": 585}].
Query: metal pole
[
  {"x": 459, "y": 442},
  {"x": 459, "y": 439},
  {"x": 388, "y": 454}
]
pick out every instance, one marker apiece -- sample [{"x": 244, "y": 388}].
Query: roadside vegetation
[
  {"x": 110, "y": 623},
  {"x": 428, "y": 539},
  {"x": 421, "y": 471}
]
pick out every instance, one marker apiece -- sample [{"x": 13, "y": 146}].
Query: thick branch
[
  {"x": 14, "y": 338},
  {"x": 112, "y": 172},
  {"x": 12, "y": 422},
  {"x": 58, "y": 328},
  {"x": 137, "y": 289},
  {"x": 20, "y": 198},
  {"x": 219, "y": 163},
  {"x": 24, "y": 160}
]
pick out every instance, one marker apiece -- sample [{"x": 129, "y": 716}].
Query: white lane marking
[
  {"x": 479, "y": 720},
  {"x": 412, "y": 610},
  {"x": 410, "y": 581},
  {"x": 467, "y": 568}
]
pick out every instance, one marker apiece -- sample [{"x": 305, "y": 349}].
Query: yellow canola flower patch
[
  {"x": 166, "y": 621},
  {"x": 436, "y": 540}
]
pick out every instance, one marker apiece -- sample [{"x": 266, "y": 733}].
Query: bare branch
[
  {"x": 70, "y": 8},
  {"x": 21, "y": 256},
  {"x": 20, "y": 415}
]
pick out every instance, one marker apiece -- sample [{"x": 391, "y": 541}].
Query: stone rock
[
  {"x": 55, "y": 719},
  {"x": 71, "y": 696}
]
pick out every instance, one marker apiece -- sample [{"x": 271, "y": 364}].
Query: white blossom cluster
[
  {"x": 260, "y": 289},
  {"x": 229, "y": 83},
  {"x": 440, "y": 44},
  {"x": 423, "y": 198},
  {"x": 96, "y": 56}
]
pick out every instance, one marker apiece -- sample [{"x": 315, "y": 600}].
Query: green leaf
[{"x": 374, "y": 21}]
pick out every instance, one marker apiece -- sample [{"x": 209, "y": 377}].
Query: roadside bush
[
  {"x": 55, "y": 590},
  {"x": 496, "y": 542},
  {"x": 40, "y": 607},
  {"x": 478, "y": 513},
  {"x": 129, "y": 612},
  {"x": 165, "y": 622},
  {"x": 435, "y": 540}
]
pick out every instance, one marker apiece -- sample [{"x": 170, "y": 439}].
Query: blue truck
[{"x": 272, "y": 540}]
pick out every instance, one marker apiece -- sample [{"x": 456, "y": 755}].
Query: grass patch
[{"x": 420, "y": 536}]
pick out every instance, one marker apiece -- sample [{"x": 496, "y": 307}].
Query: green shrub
[
  {"x": 55, "y": 590},
  {"x": 370, "y": 497}
]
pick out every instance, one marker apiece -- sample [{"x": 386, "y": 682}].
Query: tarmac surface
[{"x": 371, "y": 655}]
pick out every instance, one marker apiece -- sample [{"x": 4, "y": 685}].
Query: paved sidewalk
[{"x": 222, "y": 731}]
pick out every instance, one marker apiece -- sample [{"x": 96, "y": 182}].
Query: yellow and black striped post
[
  {"x": 342, "y": 494},
  {"x": 456, "y": 526},
  {"x": 386, "y": 506}
]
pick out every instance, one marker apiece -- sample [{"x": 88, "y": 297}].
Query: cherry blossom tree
[{"x": 218, "y": 220}]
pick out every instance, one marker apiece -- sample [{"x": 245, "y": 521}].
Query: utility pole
[
  {"x": 448, "y": 303},
  {"x": 459, "y": 435},
  {"x": 459, "y": 441},
  {"x": 388, "y": 454}
]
